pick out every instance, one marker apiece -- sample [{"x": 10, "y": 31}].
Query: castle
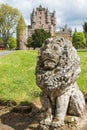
[
  {"x": 41, "y": 18},
  {"x": 65, "y": 32}
]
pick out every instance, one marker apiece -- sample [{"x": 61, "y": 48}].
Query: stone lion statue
[{"x": 56, "y": 72}]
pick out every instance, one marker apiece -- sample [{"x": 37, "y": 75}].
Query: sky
[{"x": 70, "y": 12}]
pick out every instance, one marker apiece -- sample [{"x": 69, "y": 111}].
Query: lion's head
[
  {"x": 50, "y": 53},
  {"x": 57, "y": 65}
]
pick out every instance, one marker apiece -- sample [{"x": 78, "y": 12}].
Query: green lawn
[
  {"x": 82, "y": 80},
  {"x": 17, "y": 78}
]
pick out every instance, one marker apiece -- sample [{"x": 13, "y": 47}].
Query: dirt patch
[{"x": 26, "y": 117}]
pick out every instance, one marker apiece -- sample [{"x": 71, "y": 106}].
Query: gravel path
[{"x": 3, "y": 53}]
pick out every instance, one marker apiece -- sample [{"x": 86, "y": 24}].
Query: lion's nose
[
  {"x": 47, "y": 56},
  {"x": 47, "y": 53}
]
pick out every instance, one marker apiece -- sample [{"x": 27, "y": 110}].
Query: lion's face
[{"x": 50, "y": 54}]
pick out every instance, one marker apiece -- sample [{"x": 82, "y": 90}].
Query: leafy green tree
[
  {"x": 8, "y": 20},
  {"x": 21, "y": 29},
  {"x": 79, "y": 40},
  {"x": 38, "y": 37},
  {"x": 85, "y": 30},
  {"x": 1, "y": 44},
  {"x": 1, "y": 41},
  {"x": 85, "y": 27},
  {"x": 11, "y": 43},
  {"x": 29, "y": 42}
]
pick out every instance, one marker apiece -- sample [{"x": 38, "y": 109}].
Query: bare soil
[{"x": 26, "y": 117}]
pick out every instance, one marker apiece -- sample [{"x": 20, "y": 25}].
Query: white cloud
[
  {"x": 70, "y": 12},
  {"x": 1, "y": 1}
]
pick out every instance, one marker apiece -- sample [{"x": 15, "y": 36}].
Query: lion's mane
[{"x": 65, "y": 71}]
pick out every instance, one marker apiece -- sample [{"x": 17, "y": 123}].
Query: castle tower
[
  {"x": 33, "y": 18},
  {"x": 41, "y": 18}
]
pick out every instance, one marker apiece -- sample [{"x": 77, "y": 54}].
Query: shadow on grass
[{"x": 25, "y": 116}]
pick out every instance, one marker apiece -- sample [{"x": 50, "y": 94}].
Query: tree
[
  {"x": 29, "y": 42},
  {"x": 85, "y": 27},
  {"x": 39, "y": 36},
  {"x": 1, "y": 41},
  {"x": 11, "y": 43},
  {"x": 8, "y": 20},
  {"x": 85, "y": 30},
  {"x": 79, "y": 40},
  {"x": 21, "y": 34}
]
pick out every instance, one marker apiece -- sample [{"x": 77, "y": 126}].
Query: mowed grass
[
  {"x": 82, "y": 80},
  {"x": 17, "y": 76}
]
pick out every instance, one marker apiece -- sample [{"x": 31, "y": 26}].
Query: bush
[
  {"x": 29, "y": 42},
  {"x": 79, "y": 40},
  {"x": 11, "y": 43},
  {"x": 38, "y": 37}
]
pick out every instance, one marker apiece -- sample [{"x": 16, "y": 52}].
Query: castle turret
[
  {"x": 54, "y": 14},
  {"x": 48, "y": 17},
  {"x": 33, "y": 15},
  {"x": 33, "y": 12},
  {"x": 53, "y": 18},
  {"x": 42, "y": 18},
  {"x": 40, "y": 7},
  {"x": 33, "y": 18}
]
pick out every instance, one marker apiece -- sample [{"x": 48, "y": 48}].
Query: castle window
[{"x": 40, "y": 17}]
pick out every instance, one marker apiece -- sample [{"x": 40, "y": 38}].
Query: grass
[
  {"x": 82, "y": 80},
  {"x": 17, "y": 76},
  {"x": 17, "y": 79}
]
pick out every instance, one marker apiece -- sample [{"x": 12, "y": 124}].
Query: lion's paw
[
  {"x": 57, "y": 123},
  {"x": 46, "y": 121}
]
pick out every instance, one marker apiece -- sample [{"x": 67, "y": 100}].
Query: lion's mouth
[{"x": 49, "y": 60}]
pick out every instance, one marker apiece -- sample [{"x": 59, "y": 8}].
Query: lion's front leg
[
  {"x": 61, "y": 110},
  {"x": 46, "y": 105}
]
